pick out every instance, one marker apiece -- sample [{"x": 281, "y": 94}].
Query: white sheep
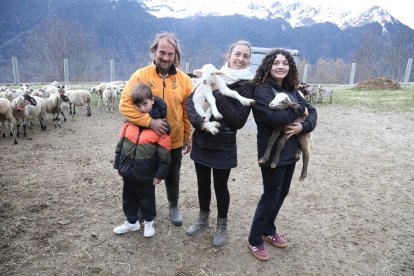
[
  {"x": 26, "y": 108},
  {"x": 50, "y": 88},
  {"x": 53, "y": 105},
  {"x": 12, "y": 94},
  {"x": 79, "y": 97},
  {"x": 99, "y": 89},
  {"x": 6, "y": 115},
  {"x": 282, "y": 101},
  {"x": 109, "y": 96},
  {"x": 40, "y": 93},
  {"x": 204, "y": 101}
]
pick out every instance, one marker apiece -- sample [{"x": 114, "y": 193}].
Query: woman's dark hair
[
  {"x": 263, "y": 71},
  {"x": 140, "y": 92}
]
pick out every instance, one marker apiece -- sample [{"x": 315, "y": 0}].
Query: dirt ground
[{"x": 354, "y": 215}]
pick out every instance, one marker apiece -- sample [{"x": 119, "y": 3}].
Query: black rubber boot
[{"x": 175, "y": 214}]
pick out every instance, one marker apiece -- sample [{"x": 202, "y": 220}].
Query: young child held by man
[{"x": 142, "y": 158}]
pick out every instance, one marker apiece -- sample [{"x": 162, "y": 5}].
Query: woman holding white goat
[
  {"x": 277, "y": 73},
  {"x": 217, "y": 151}
]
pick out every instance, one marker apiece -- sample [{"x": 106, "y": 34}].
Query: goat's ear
[
  {"x": 198, "y": 72},
  {"x": 219, "y": 73}
]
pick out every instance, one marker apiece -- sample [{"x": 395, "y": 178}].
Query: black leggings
[{"x": 220, "y": 177}]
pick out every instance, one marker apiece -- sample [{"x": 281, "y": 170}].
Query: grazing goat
[
  {"x": 325, "y": 93},
  {"x": 6, "y": 115},
  {"x": 204, "y": 101},
  {"x": 282, "y": 101},
  {"x": 310, "y": 91}
]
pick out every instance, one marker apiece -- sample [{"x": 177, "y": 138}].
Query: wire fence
[{"x": 330, "y": 72}]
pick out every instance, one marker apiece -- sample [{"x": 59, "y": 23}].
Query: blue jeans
[{"x": 276, "y": 184}]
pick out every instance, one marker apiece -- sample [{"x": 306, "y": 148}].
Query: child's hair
[{"x": 140, "y": 92}]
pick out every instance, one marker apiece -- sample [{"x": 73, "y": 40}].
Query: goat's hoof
[
  {"x": 15, "y": 142},
  {"x": 262, "y": 161},
  {"x": 273, "y": 165}
]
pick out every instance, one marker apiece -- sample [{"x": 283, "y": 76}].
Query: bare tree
[{"x": 56, "y": 40}]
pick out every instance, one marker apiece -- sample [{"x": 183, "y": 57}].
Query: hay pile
[{"x": 378, "y": 83}]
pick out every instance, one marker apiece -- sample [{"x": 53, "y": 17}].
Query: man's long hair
[{"x": 172, "y": 40}]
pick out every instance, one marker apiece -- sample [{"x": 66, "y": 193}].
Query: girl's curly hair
[{"x": 263, "y": 71}]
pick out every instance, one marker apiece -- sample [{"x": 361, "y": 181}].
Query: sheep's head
[
  {"x": 207, "y": 73},
  {"x": 63, "y": 97},
  {"x": 24, "y": 100}
]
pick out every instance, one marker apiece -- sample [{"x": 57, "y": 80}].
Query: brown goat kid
[{"x": 281, "y": 101}]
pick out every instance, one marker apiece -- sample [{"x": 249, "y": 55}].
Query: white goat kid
[{"x": 204, "y": 101}]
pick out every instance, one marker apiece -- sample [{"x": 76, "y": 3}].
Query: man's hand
[
  {"x": 187, "y": 147},
  {"x": 159, "y": 126},
  {"x": 156, "y": 181}
]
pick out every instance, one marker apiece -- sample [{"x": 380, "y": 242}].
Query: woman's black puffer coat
[{"x": 220, "y": 151}]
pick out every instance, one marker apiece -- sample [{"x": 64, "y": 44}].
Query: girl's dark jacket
[
  {"x": 220, "y": 151},
  {"x": 267, "y": 119}
]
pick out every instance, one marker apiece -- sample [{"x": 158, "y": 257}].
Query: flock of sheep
[
  {"x": 19, "y": 107},
  {"x": 23, "y": 105}
]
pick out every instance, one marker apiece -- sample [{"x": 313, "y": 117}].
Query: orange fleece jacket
[{"x": 174, "y": 90}]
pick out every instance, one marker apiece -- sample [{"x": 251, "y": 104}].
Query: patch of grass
[{"x": 400, "y": 100}]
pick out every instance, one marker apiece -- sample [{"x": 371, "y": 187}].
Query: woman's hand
[
  {"x": 156, "y": 181},
  {"x": 294, "y": 128}
]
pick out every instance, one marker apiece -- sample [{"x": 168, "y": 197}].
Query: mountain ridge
[
  {"x": 296, "y": 14},
  {"x": 123, "y": 30}
]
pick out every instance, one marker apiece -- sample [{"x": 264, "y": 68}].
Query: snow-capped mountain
[{"x": 296, "y": 14}]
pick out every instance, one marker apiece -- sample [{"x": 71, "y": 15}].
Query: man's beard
[{"x": 161, "y": 69}]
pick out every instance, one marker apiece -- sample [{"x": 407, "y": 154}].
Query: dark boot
[
  {"x": 175, "y": 214},
  {"x": 200, "y": 225},
  {"x": 221, "y": 232}
]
